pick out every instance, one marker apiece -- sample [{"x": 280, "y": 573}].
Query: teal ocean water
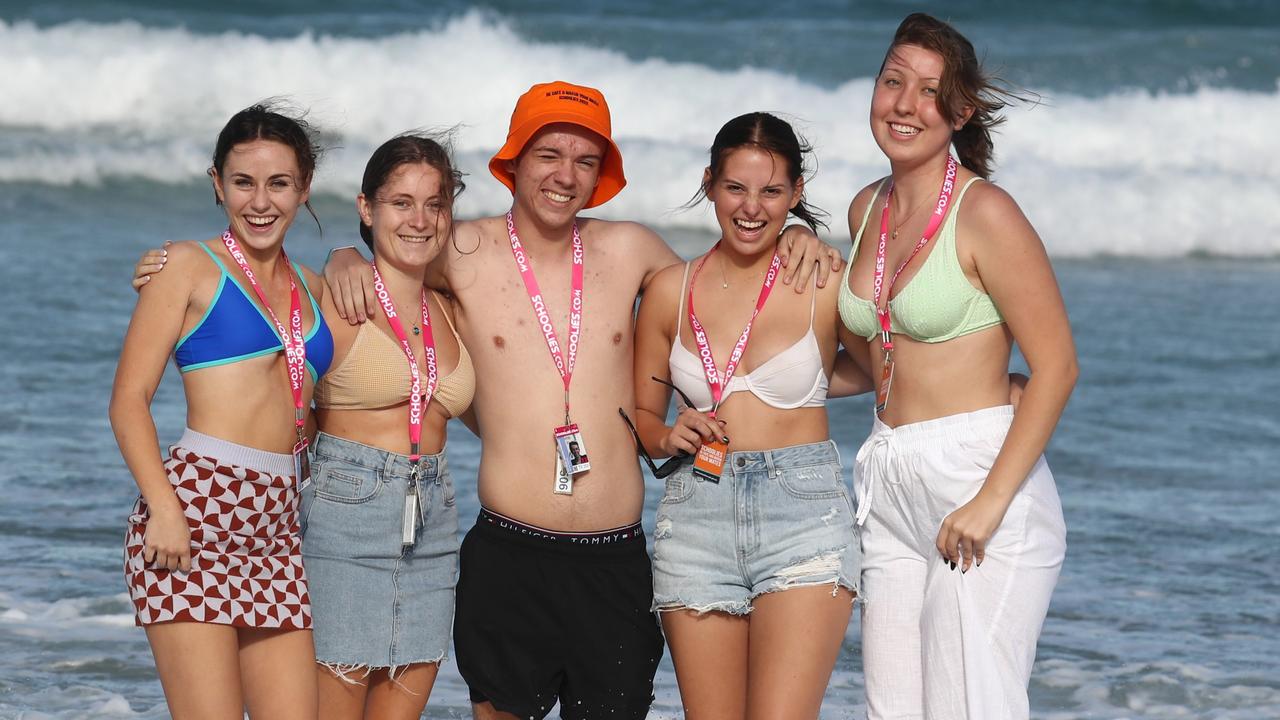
[{"x": 1149, "y": 169}]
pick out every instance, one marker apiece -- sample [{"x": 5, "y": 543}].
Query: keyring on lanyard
[{"x": 418, "y": 400}]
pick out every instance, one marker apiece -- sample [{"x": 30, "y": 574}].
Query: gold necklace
[
  {"x": 724, "y": 278},
  {"x": 894, "y": 234}
]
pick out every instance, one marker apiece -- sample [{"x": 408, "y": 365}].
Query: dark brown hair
[
  {"x": 964, "y": 84},
  {"x": 774, "y": 136},
  {"x": 268, "y": 120},
  {"x": 410, "y": 149}
]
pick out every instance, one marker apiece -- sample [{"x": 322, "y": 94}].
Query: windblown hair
[
  {"x": 964, "y": 84},
  {"x": 269, "y": 120},
  {"x": 410, "y": 149}
]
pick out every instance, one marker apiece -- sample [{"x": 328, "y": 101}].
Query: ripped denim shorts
[{"x": 778, "y": 519}]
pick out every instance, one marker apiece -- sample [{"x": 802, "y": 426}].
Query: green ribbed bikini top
[{"x": 938, "y": 303}]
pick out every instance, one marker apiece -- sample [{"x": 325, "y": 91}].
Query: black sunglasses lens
[{"x": 669, "y": 467}]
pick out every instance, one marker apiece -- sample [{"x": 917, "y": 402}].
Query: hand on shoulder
[{"x": 182, "y": 261}]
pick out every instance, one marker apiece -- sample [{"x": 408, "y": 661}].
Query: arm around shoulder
[{"x": 350, "y": 281}]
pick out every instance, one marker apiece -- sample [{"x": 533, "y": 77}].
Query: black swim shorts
[{"x": 544, "y": 616}]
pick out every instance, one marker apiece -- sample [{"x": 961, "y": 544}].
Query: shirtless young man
[{"x": 554, "y": 590}]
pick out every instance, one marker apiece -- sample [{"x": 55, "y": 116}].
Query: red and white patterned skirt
[{"x": 241, "y": 506}]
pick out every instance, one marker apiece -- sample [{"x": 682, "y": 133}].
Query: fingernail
[{"x": 953, "y": 565}]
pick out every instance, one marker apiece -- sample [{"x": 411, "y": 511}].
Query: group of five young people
[{"x": 758, "y": 549}]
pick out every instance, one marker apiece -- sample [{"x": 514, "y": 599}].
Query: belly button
[{"x": 499, "y": 342}]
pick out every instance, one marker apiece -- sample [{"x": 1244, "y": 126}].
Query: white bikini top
[{"x": 794, "y": 378}]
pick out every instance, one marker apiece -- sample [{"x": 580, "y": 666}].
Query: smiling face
[
  {"x": 753, "y": 194},
  {"x": 261, "y": 189},
  {"x": 556, "y": 173},
  {"x": 905, "y": 119},
  {"x": 409, "y": 216}
]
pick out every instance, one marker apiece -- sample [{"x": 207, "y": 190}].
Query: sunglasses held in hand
[{"x": 673, "y": 464}]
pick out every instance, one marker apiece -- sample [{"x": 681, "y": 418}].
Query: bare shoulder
[
  {"x": 314, "y": 282},
  {"x": 621, "y": 233},
  {"x": 632, "y": 248},
  {"x": 187, "y": 259},
  {"x": 858, "y": 207},
  {"x": 667, "y": 282},
  {"x": 187, "y": 253},
  {"x": 469, "y": 234},
  {"x": 992, "y": 216},
  {"x": 829, "y": 293},
  {"x": 187, "y": 265}
]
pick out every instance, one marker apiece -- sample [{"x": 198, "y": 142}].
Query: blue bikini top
[{"x": 234, "y": 328}]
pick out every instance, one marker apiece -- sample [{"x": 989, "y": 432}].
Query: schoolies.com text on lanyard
[
  {"x": 295, "y": 348},
  {"x": 418, "y": 400}
]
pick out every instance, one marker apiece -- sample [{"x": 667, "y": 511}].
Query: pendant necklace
[{"x": 894, "y": 235}]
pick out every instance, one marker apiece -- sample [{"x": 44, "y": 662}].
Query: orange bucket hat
[{"x": 562, "y": 102}]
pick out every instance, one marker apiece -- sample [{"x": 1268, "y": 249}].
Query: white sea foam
[{"x": 1128, "y": 173}]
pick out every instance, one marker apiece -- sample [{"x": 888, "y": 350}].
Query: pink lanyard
[
  {"x": 295, "y": 348},
  {"x": 417, "y": 400},
  {"x": 540, "y": 306},
  {"x": 700, "y": 336},
  {"x": 939, "y": 211}
]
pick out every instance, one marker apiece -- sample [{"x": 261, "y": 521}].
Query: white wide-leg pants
[{"x": 938, "y": 644}]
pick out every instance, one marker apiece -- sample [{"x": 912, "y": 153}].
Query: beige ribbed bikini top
[{"x": 374, "y": 375}]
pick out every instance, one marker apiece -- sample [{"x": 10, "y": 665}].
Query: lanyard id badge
[
  {"x": 413, "y": 509},
  {"x": 877, "y": 279},
  {"x": 418, "y": 399},
  {"x": 571, "y": 449},
  {"x": 301, "y": 462},
  {"x": 708, "y": 464},
  {"x": 295, "y": 350},
  {"x": 564, "y": 481},
  {"x": 886, "y": 382}
]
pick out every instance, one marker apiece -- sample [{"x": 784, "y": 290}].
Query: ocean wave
[{"x": 1130, "y": 173}]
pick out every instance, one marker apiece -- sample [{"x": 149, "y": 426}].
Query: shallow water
[
  {"x": 1149, "y": 172},
  {"x": 1166, "y": 461}
]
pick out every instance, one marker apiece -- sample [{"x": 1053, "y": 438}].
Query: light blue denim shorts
[
  {"x": 778, "y": 519},
  {"x": 375, "y": 602}
]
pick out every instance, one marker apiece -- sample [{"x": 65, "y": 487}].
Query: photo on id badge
[{"x": 573, "y": 451}]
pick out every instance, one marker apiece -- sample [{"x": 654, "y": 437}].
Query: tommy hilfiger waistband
[{"x": 616, "y": 536}]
